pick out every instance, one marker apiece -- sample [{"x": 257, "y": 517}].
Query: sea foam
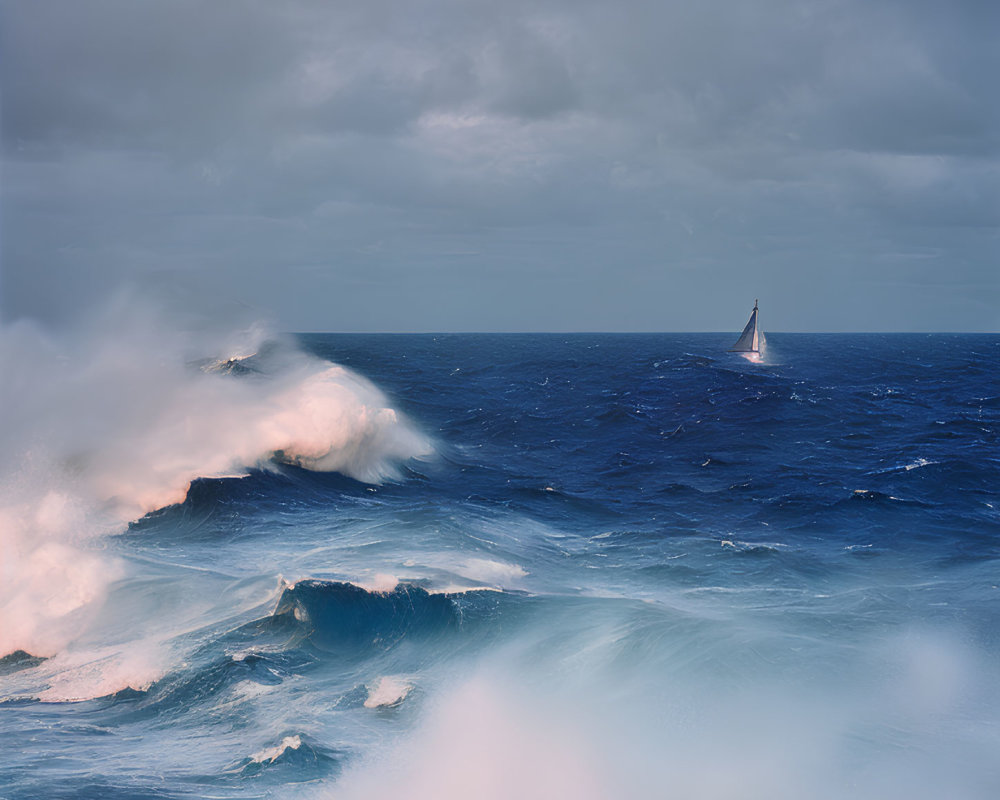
[
  {"x": 114, "y": 420},
  {"x": 387, "y": 692}
]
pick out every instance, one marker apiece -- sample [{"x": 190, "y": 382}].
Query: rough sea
[{"x": 499, "y": 566}]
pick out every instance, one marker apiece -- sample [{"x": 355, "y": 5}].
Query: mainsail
[{"x": 750, "y": 339}]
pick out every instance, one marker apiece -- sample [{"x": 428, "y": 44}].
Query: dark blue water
[{"x": 626, "y": 566}]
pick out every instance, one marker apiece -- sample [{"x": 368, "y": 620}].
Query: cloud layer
[{"x": 447, "y": 164}]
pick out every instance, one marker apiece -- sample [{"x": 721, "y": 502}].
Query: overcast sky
[{"x": 414, "y": 165}]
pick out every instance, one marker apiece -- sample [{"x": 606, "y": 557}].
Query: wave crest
[
  {"x": 117, "y": 419},
  {"x": 348, "y": 620}
]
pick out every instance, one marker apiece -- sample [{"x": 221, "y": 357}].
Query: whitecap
[
  {"x": 380, "y": 583},
  {"x": 387, "y": 692},
  {"x": 113, "y": 422},
  {"x": 89, "y": 674},
  {"x": 271, "y": 754}
]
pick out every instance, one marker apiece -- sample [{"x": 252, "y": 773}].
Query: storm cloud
[{"x": 463, "y": 165}]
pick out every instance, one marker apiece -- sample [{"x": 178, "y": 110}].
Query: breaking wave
[{"x": 117, "y": 419}]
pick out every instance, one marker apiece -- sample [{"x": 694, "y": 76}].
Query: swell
[{"x": 345, "y": 619}]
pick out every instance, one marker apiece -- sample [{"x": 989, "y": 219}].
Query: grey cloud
[
  {"x": 627, "y": 150},
  {"x": 161, "y": 75}
]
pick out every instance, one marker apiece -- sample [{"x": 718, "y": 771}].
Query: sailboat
[{"x": 751, "y": 341}]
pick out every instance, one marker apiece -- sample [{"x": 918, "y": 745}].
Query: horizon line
[{"x": 632, "y": 333}]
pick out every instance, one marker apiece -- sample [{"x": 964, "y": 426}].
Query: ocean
[{"x": 500, "y": 566}]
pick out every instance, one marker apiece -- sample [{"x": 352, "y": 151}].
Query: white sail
[{"x": 750, "y": 339}]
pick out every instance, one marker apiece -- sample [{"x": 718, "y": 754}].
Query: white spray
[{"x": 114, "y": 421}]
